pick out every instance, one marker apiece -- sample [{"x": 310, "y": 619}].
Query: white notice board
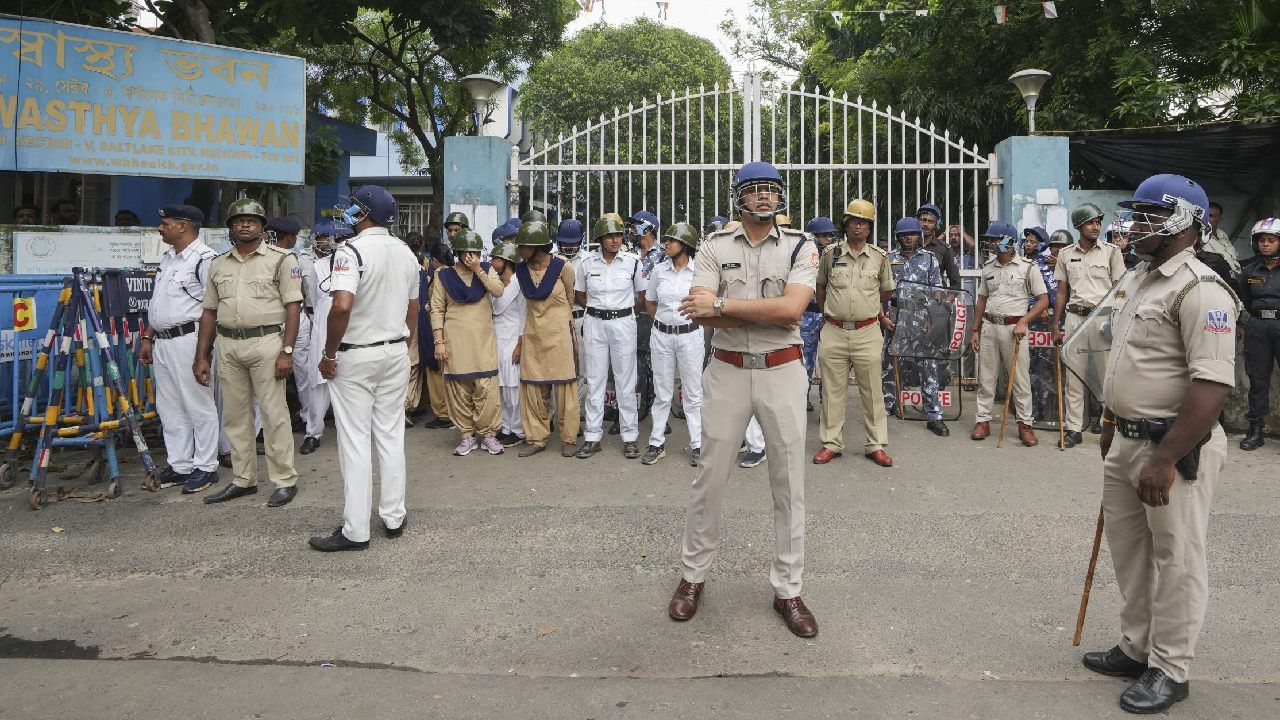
[{"x": 56, "y": 252}]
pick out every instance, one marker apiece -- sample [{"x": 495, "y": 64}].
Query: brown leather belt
[
  {"x": 758, "y": 361},
  {"x": 850, "y": 324},
  {"x": 1003, "y": 319}
]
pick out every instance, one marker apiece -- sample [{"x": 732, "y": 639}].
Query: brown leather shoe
[
  {"x": 880, "y": 457},
  {"x": 980, "y": 431},
  {"x": 1027, "y": 435},
  {"x": 798, "y": 618},
  {"x": 684, "y": 603},
  {"x": 824, "y": 456}
]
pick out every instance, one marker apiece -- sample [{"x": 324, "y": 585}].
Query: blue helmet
[
  {"x": 514, "y": 222},
  {"x": 324, "y": 227},
  {"x": 506, "y": 230},
  {"x": 758, "y": 173},
  {"x": 715, "y": 224},
  {"x": 1042, "y": 237},
  {"x": 342, "y": 232},
  {"x": 1003, "y": 235},
  {"x": 930, "y": 208},
  {"x": 821, "y": 225},
  {"x": 643, "y": 222},
  {"x": 906, "y": 226},
  {"x": 570, "y": 232},
  {"x": 1184, "y": 196},
  {"x": 372, "y": 202}
]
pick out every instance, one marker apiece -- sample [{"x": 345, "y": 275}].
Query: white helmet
[{"x": 1265, "y": 226}]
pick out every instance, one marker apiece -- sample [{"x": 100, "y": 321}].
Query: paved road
[{"x": 945, "y": 587}]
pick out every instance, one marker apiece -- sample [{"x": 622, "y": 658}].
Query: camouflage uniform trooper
[
  {"x": 1035, "y": 247},
  {"x": 912, "y": 264}
]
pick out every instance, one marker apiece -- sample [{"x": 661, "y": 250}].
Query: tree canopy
[{"x": 605, "y": 67}]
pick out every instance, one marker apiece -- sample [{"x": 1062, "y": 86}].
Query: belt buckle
[
  {"x": 753, "y": 361},
  {"x": 998, "y": 319},
  {"x": 1267, "y": 314}
]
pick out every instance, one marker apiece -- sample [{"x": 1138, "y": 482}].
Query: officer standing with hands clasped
[
  {"x": 1085, "y": 273},
  {"x": 1003, "y": 290},
  {"x": 366, "y": 361},
  {"x": 1260, "y": 291},
  {"x": 854, "y": 278},
  {"x": 187, "y": 408},
  {"x": 1171, "y": 367},
  {"x": 252, "y": 301},
  {"x": 752, "y": 284}
]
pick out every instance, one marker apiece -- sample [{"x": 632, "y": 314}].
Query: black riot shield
[
  {"x": 1085, "y": 352},
  {"x": 922, "y": 355},
  {"x": 1044, "y": 375}
]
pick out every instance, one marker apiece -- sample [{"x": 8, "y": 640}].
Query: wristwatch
[
  {"x": 719, "y": 306},
  {"x": 287, "y": 349}
]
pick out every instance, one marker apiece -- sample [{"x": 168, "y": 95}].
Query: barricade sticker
[{"x": 24, "y": 313}]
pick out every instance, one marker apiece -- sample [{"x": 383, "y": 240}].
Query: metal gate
[{"x": 675, "y": 156}]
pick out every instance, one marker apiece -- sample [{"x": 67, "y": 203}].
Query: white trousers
[
  {"x": 755, "y": 436},
  {"x": 187, "y": 408},
  {"x": 368, "y": 403},
  {"x": 611, "y": 342},
  {"x": 315, "y": 408},
  {"x": 306, "y": 375},
  {"x": 669, "y": 355},
  {"x": 511, "y": 422}
]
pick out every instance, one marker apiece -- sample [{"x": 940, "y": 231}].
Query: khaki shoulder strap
[{"x": 1176, "y": 308}]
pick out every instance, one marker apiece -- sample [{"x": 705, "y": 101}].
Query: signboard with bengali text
[{"x": 85, "y": 100}]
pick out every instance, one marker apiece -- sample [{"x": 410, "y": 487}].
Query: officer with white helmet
[
  {"x": 608, "y": 285},
  {"x": 374, "y": 284},
  {"x": 1260, "y": 291},
  {"x": 1171, "y": 367}
]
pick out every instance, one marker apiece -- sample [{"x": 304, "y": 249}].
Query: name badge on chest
[{"x": 730, "y": 266}]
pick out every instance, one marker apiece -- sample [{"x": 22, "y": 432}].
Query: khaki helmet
[
  {"x": 247, "y": 206},
  {"x": 1084, "y": 213},
  {"x": 457, "y": 218},
  {"x": 608, "y": 225},
  {"x": 859, "y": 208},
  {"x": 683, "y": 233},
  {"x": 615, "y": 217},
  {"x": 533, "y": 215},
  {"x": 533, "y": 233},
  {"x": 506, "y": 251},
  {"x": 783, "y": 221},
  {"x": 468, "y": 241},
  {"x": 1060, "y": 238}
]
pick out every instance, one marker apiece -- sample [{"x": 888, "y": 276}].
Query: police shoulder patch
[
  {"x": 295, "y": 273},
  {"x": 1217, "y": 322}
]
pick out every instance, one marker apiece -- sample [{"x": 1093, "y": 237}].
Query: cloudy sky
[{"x": 700, "y": 17}]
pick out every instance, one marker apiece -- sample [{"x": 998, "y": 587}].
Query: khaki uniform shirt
[
  {"x": 1155, "y": 354},
  {"x": 548, "y": 350},
  {"x": 1219, "y": 243},
  {"x": 251, "y": 292},
  {"x": 854, "y": 281},
  {"x": 468, "y": 327},
  {"x": 729, "y": 266},
  {"x": 1008, "y": 287},
  {"x": 1089, "y": 273}
]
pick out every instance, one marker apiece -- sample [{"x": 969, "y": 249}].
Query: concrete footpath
[{"x": 944, "y": 587}]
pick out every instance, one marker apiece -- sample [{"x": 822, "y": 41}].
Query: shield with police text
[
  {"x": 929, "y": 322},
  {"x": 1085, "y": 352}
]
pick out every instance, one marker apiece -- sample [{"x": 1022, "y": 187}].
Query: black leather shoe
[
  {"x": 1072, "y": 439},
  {"x": 309, "y": 445},
  {"x": 225, "y": 460},
  {"x": 1152, "y": 693},
  {"x": 230, "y": 491},
  {"x": 1115, "y": 663},
  {"x": 395, "y": 532},
  {"x": 282, "y": 496},
  {"x": 1252, "y": 441},
  {"x": 937, "y": 427},
  {"x": 336, "y": 542},
  {"x": 1096, "y": 427}
]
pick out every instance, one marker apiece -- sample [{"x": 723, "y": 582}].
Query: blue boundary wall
[
  {"x": 476, "y": 170},
  {"x": 1036, "y": 174}
]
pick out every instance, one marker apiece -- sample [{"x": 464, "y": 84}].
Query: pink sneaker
[
  {"x": 492, "y": 445},
  {"x": 467, "y": 445}
]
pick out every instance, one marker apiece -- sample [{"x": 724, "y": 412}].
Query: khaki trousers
[
  {"x": 1159, "y": 554},
  {"x": 474, "y": 405},
  {"x": 776, "y": 399},
  {"x": 535, "y": 412},
  {"x": 413, "y": 395},
  {"x": 995, "y": 351},
  {"x": 839, "y": 352},
  {"x": 1075, "y": 390},
  {"x": 247, "y": 372},
  {"x": 436, "y": 393}
]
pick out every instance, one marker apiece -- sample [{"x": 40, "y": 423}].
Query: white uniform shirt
[
  {"x": 305, "y": 264},
  {"x": 383, "y": 274},
  {"x": 667, "y": 287},
  {"x": 178, "y": 292},
  {"x": 508, "y": 326},
  {"x": 610, "y": 285},
  {"x": 576, "y": 262}
]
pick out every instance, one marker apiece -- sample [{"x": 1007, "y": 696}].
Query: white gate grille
[{"x": 675, "y": 155}]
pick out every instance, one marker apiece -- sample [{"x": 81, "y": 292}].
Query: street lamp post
[
  {"x": 482, "y": 89},
  {"x": 1029, "y": 82}
]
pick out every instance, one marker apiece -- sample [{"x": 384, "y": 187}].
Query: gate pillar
[
  {"x": 1035, "y": 177},
  {"x": 476, "y": 170}
]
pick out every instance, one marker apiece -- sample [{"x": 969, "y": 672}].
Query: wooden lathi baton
[
  {"x": 1008, "y": 391},
  {"x": 897, "y": 385},
  {"x": 1088, "y": 579},
  {"x": 1057, "y": 371}
]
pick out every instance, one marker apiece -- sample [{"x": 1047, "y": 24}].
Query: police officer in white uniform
[
  {"x": 608, "y": 287},
  {"x": 374, "y": 285},
  {"x": 508, "y": 326},
  {"x": 327, "y": 235},
  {"x": 284, "y": 233},
  {"x": 187, "y": 408}
]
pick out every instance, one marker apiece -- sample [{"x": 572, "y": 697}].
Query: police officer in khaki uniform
[
  {"x": 1007, "y": 282},
  {"x": 854, "y": 278},
  {"x": 1085, "y": 273},
  {"x": 252, "y": 301},
  {"x": 752, "y": 285},
  {"x": 1171, "y": 367}
]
